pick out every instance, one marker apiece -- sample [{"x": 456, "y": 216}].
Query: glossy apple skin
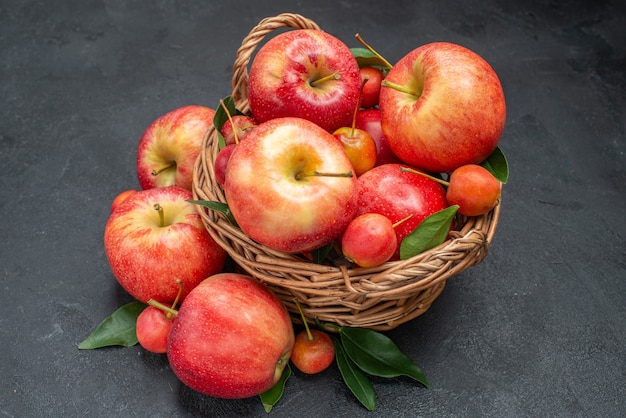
[
  {"x": 474, "y": 189},
  {"x": 459, "y": 115},
  {"x": 173, "y": 137},
  {"x": 371, "y": 89},
  {"x": 313, "y": 356},
  {"x": 153, "y": 328},
  {"x": 369, "y": 121},
  {"x": 147, "y": 258},
  {"x": 120, "y": 198},
  {"x": 232, "y": 337},
  {"x": 369, "y": 240},
  {"x": 395, "y": 194},
  {"x": 273, "y": 206},
  {"x": 281, "y": 73}
]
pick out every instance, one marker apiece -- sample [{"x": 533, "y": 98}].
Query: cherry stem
[
  {"x": 163, "y": 307},
  {"x": 373, "y": 51},
  {"x": 159, "y": 209},
  {"x": 398, "y": 87},
  {"x": 316, "y": 173},
  {"x": 428, "y": 176},
  {"x": 230, "y": 119},
  {"x": 161, "y": 169},
  {"x": 401, "y": 221},
  {"x": 333, "y": 76},
  {"x": 309, "y": 336}
]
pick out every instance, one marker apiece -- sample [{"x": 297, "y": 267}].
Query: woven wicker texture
[{"x": 379, "y": 298}]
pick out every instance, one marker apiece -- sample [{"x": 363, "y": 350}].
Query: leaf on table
[
  {"x": 377, "y": 355},
  {"x": 117, "y": 329},
  {"x": 357, "y": 381},
  {"x": 271, "y": 397},
  {"x": 432, "y": 231},
  {"x": 497, "y": 165}
]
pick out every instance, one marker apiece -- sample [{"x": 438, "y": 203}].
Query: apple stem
[
  {"x": 163, "y": 307},
  {"x": 169, "y": 315},
  {"x": 373, "y": 51},
  {"x": 159, "y": 170},
  {"x": 309, "y": 336},
  {"x": 333, "y": 76},
  {"x": 438, "y": 180},
  {"x": 230, "y": 119},
  {"x": 316, "y": 173},
  {"x": 398, "y": 87},
  {"x": 159, "y": 209},
  {"x": 358, "y": 105},
  {"x": 401, "y": 221}
]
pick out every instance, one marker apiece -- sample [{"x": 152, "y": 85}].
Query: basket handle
[{"x": 250, "y": 42}]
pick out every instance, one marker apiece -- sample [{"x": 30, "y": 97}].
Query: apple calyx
[
  {"x": 316, "y": 173},
  {"x": 333, "y": 76},
  {"x": 157, "y": 171},
  {"x": 428, "y": 176},
  {"x": 169, "y": 311},
  {"x": 402, "y": 89},
  {"x": 373, "y": 51}
]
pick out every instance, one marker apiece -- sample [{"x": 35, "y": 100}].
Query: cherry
[
  {"x": 154, "y": 324},
  {"x": 313, "y": 349}
]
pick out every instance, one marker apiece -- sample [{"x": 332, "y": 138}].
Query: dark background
[{"x": 537, "y": 329}]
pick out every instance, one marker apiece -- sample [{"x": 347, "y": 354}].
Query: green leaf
[
  {"x": 431, "y": 232},
  {"x": 366, "y": 58},
  {"x": 377, "y": 355},
  {"x": 117, "y": 329},
  {"x": 357, "y": 381},
  {"x": 218, "y": 207},
  {"x": 221, "y": 117},
  {"x": 498, "y": 165},
  {"x": 273, "y": 395}
]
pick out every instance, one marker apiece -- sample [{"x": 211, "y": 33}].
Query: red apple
[
  {"x": 290, "y": 185},
  {"x": 442, "y": 106},
  {"x": 304, "y": 73},
  {"x": 156, "y": 237},
  {"x": 232, "y": 337},
  {"x": 396, "y": 194},
  {"x": 120, "y": 198},
  {"x": 169, "y": 147},
  {"x": 371, "y": 89},
  {"x": 369, "y": 121}
]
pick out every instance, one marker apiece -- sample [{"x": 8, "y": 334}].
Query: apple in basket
[
  {"x": 388, "y": 190},
  {"x": 169, "y": 147},
  {"x": 442, "y": 106},
  {"x": 231, "y": 338},
  {"x": 154, "y": 238},
  {"x": 304, "y": 73},
  {"x": 290, "y": 185}
]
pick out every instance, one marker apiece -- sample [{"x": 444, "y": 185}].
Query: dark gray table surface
[{"x": 537, "y": 329}]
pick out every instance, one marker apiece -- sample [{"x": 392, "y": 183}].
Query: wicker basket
[{"x": 379, "y": 298}]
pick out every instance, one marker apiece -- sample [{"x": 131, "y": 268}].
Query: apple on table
[{"x": 154, "y": 238}]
